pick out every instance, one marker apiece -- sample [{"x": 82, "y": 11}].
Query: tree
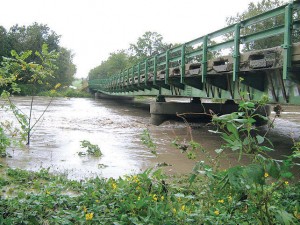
[
  {"x": 10, "y": 71},
  {"x": 65, "y": 68},
  {"x": 150, "y": 44},
  {"x": 22, "y": 38},
  {"x": 116, "y": 62},
  {"x": 253, "y": 10},
  {"x": 4, "y": 47}
]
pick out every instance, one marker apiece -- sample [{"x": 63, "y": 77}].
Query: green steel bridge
[{"x": 194, "y": 70}]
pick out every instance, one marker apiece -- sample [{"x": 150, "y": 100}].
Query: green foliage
[
  {"x": 254, "y": 186},
  {"x": 18, "y": 68},
  {"x": 148, "y": 141},
  {"x": 253, "y": 10},
  {"x": 296, "y": 150},
  {"x": 34, "y": 37},
  {"x": 237, "y": 130},
  {"x": 189, "y": 148},
  {"x": 92, "y": 150},
  {"x": 146, "y": 198},
  {"x": 115, "y": 63},
  {"x": 4, "y": 142},
  {"x": 69, "y": 92},
  {"x": 150, "y": 44}
]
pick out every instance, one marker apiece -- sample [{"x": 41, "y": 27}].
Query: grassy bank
[{"x": 147, "y": 198}]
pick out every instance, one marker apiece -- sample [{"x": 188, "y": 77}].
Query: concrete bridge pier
[
  {"x": 195, "y": 111},
  {"x": 99, "y": 95}
]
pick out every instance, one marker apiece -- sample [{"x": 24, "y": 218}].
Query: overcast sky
[{"x": 94, "y": 28}]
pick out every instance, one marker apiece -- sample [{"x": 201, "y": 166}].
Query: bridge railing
[{"x": 155, "y": 71}]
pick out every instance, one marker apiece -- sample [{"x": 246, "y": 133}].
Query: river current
[{"x": 116, "y": 127}]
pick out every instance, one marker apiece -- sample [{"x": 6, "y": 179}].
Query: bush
[{"x": 70, "y": 93}]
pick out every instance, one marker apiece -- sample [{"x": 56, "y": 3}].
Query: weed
[
  {"x": 148, "y": 141},
  {"x": 146, "y": 198},
  {"x": 93, "y": 150}
]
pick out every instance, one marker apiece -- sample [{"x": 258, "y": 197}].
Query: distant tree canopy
[
  {"x": 253, "y": 10},
  {"x": 22, "y": 38},
  {"x": 150, "y": 44},
  {"x": 116, "y": 62}
]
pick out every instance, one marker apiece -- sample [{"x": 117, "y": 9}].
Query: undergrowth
[{"x": 147, "y": 198}]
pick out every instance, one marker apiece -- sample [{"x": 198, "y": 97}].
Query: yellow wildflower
[
  {"x": 162, "y": 198},
  {"x": 266, "y": 175},
  {"x": 97, "y": 201},
  {"x": 154, "y": 197},
  {"x": 174, "y": 210},
  {"x": 217, "y": 212},
  {"x": 286, "y": 182},
  {"x": 221, "y": 201},
  {"x": 114, "y": 186},
  {"x": 229, "y": 198},
  {"x": 89, "y": 216},
  {"x": 139, "y": 198},
  {"x": 183, "y": 207}
]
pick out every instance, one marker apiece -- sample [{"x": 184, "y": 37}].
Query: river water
[{"x": 116, "y": 127}]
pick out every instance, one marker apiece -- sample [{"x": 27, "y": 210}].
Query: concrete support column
[
  {"x": 162, "y": 111},
  {"x": 100, "y": 95}
]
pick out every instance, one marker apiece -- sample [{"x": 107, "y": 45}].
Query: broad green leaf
[
  {"x": 284, "y": 217},
  {"x": 235, "y": 177},
  {"x": 246, "y": 141},
  {"x": 254, "y": 173},
  {"x": 267, "y": 149},
  {"x": 273, "y": 168},
  {"x": 260, "y": 139},
  {"x": 233, "y": 129},
  {"x": 241, "y": 120}
]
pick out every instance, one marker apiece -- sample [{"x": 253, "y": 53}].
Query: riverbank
[{"x": 146, "y": 198}]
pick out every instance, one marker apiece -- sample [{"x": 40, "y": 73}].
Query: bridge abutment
[{"x": 163, "y": 111}]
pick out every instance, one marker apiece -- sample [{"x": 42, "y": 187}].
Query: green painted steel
[
  {"x": 189, "y": 70},
  {"x": 204, "y": 59},
  {"x": 236, "y": 51}
]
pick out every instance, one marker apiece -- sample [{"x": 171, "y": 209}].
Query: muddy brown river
[{"x": 116, "y": 127}]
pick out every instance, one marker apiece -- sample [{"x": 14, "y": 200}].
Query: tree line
[
  {"x": 150, "y": 44},
  {"x": 33, "y": 37}
]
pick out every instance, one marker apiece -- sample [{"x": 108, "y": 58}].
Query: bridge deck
[{"x": 274, "y": 72}]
